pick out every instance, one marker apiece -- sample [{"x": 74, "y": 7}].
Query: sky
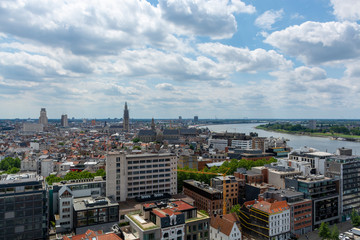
[{"x": 169, "y": 58}]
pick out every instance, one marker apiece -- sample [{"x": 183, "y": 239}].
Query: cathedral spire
[{"x": 126, "y": 118}]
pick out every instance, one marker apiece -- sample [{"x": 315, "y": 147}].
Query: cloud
[
  {"x": 165, "y": 86},
  {"x": 317, "y": 43},
  {"x": 243, "y": 59},
  {"x": 346, "y": 9},
  {"x": 213, "y": 18},
  {"x": 268, "y": 18},
  {"x": 91, "y": 27}
]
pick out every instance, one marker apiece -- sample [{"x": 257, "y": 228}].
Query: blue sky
[{"x": 167, "y": 58}]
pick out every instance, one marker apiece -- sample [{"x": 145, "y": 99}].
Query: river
[{"x": 296, "y": 141}]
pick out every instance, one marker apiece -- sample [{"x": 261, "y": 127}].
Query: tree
[
  {"x": 324, "y": 231},
  {"x": 355, "y": 218},
  {"x": 334, "y": 233},
  {"x": 136, "y": 140},
  {"x": 101, "y": 172},
  {"x": 235, "y": 209}
]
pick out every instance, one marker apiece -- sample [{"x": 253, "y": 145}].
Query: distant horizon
[{"x": 188, "y": 119}]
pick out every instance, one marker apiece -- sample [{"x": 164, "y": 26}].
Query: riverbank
[{"x": 333, "y": 136}]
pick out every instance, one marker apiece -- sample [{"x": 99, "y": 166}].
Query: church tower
[
  {"x": 126, "y": 119},
  {"x": 153, "y": 124}
]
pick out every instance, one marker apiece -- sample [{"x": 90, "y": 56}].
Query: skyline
[{"x": 273, "y": 59}]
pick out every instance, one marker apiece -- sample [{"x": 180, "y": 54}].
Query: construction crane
[{"x": 218, "y": 174}]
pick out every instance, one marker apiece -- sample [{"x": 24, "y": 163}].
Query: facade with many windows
[
  {"x": 23, "y": 207},
  {"x": 133, "y": 175},
  {"x": 346, "y": 169}
]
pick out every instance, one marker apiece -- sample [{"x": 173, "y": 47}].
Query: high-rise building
[
  {"x": 64, "y": 120},
  {"x": 43, "y": 118},
  {"x": 133, "y": 175},
  {"x": 126, "y": 119},
  {"x": 346, "y": 169},
  {"x": 196, "y": 118},
  {"x": 23, "y": 207}
]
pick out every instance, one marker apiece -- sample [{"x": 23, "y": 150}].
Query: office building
[
  {"x": 30, "y": 128},
  {"x": 126, "y": 123},
  {"x": 196, "y": 119},
  {"x": 133, "y": 175},
  {"x": 99, "y": 213},
  {"x": 346, "y": 169},
  {"x": 43, "y": 118},
  {"x": 64, "y": 120},
  {"x": 23, "y": 207},
  {"x": 63, "y": 194},
  {"x": 324, "y": 195}
]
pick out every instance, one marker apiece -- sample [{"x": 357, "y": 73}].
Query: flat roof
[{"x": 86, "y": 203}]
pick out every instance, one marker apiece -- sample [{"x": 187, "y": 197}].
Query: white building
[
  {"x": 129, "y": 176},
  {"x": 225, "y": 227},
  {"x": 315, "y": 158},
  {"x": 243, "y": 144},
  {"x": 47, "y": 167},
  {"x": 32, "y": 127}
]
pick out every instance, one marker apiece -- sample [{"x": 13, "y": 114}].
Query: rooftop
[{"x": 92, "y": 203}]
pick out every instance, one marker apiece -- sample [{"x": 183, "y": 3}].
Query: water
[{"x": 296, "y": 141}]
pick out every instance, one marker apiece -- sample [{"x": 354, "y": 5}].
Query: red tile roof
[
  {"x": 225, "y": 223},
  {"x": 270, "y": 208}
]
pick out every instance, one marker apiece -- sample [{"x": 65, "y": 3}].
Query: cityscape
[{"x": 179, "y": 120}]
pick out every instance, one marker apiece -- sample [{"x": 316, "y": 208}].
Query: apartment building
[
  {"x": 300, "y": 209},
  {"x": 206, "y": 198},
  {"x": 231, "y": 189},
  {"x": 266, "y": 219},
  {"x": 23, "y": 207},
  {"x": 168, "y": 220},
  {"x": 346, "y": 169},
  {"x": 324, "y": 195},
  {"x": 132, "y": 175}
]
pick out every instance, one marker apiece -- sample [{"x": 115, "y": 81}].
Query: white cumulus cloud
[
  {"x": 268, "y": 18},
  {"x": 346, "y": 9},
  {"x": 317, "y": 43}
]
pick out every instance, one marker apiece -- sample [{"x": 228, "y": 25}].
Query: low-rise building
[
  {"x": 225, "y": 227},
  {"x": 99, "y": 213},
  {"x": 168, "y": 220}
]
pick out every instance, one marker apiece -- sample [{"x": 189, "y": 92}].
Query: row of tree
[
  {"x": 228, "y": 167},
  {"x": 10, "y": 165},
  {"x": 72, "y": 175},
  {"x": 339, "y": 129}
]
